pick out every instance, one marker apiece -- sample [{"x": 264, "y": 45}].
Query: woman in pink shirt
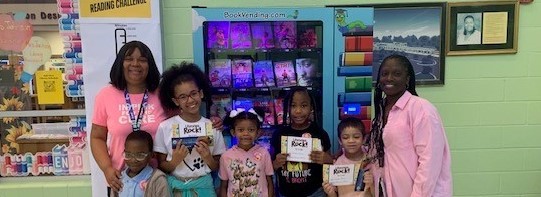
[
  {"x": 130, "y": 103},
  {"x": 407, "y": 139}
]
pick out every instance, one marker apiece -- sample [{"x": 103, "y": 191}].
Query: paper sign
[
  {"x": 299, "y": 148},
  {"x": 14, "y": 34},
  {"x": 115, "y": 9},
  {"x": 339, "y": 175},
  {"x": 49, "y": 86}
]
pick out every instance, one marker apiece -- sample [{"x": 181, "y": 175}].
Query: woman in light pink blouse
[{"x": 407, "y": 139}]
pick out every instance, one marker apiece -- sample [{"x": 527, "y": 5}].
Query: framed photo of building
[
  {"x": 488, "y": 27},
  {"x": 415, "y": 30}
]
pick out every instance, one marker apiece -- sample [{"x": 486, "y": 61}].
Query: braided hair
[
  {"x": 178, "y": 74},
  {"x": 289, "y": 99},
  {"x": 375, "y": 138}
]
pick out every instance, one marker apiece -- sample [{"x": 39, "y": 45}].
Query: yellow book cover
[
  {"x": 284, "y": 144},
  {"x": 49, "y": 86},
  {"x": 210, "y": 133}
]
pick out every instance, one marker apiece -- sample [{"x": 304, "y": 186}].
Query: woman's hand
[{"x": 112, "y": 176}]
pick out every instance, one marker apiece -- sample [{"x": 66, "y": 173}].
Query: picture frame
[
  {"x": 488, "y": 27},
  {"x": 422, "y": 41}
]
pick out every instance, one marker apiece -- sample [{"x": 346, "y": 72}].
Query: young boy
[
  {"x": 139, "y": 178},
  {"x": 351, "y": 138}
]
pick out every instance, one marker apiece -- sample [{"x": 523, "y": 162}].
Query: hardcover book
[
  {"x": 218, "y": 35},
  {"x": 220, "y": 73},
  {"x": 221, "y": 104},
  {"x": 263, "y": 37},
  {"x": 285, "y": 34},
  {"x": 285, "y": 74},
  {"x": 263, "y": 74},
  {"x": 307, "y": 36},
  {"x": 268, "y": 106},
  {"x": 240, "y": 35},
  {"x": 307, "y": 70},
  {"x": 242, "y": 73}
]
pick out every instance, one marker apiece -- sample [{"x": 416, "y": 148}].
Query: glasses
[
  {"x": 136, "y": 156},
  {"x": 184, "y": 98}
]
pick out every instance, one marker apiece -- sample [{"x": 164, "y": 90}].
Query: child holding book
[
  {"x": 246, "y": 168},
  {"x": 139, "y": 178},
  {"x": 300, "y": 120},
  {"x": 184, "y": 87},
  {"x": 350, "y": 133}
]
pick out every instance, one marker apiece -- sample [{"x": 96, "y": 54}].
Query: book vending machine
[{"x": 254, "y": 55}]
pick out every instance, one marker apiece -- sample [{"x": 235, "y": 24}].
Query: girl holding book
[
  {"x": 184, "y": 87},
  {"x": 300, "y": 120}
]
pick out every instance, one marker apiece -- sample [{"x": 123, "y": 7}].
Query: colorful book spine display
[
  {"x": 61, "y": 160},
  {"x": 355, "y": 64},
  {"x": 69, "y": 31}
]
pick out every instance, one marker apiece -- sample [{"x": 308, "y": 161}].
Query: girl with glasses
[{"x": 188, "y": 159}]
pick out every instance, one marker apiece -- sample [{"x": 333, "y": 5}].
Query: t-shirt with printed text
[
  {"x": 309, "y": 178},
  {"x": 112, "y": 111},
  {"x": 246, "y": 171},
  {"x": 193, "y": 165}
]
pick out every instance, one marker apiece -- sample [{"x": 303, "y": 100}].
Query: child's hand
[
  {"x": 202, "y": 148},
  {"x": 217, "y": 123},
  {"x": 179, "y": 153},
  {"x": 320, "y": 157},
  {"x": 280, "y": 160},
  {"x": 329, "y": 189},
  {"x": 204, "y": 139},
  {"x": 368, "y": 179}
]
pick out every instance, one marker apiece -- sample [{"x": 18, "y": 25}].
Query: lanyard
[{"x": 136, "y": 123}]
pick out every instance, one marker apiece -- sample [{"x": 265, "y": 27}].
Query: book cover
[
  {"x": 220, "y": 73},
  {"x": 218, "y": 35},
  {"x": 268, "y": 106},
  {"x": 307, "y": 36},
  {"x": 263, "y": 74},
  {"x": 279, "y": 110},
  {"x": 285, "y": 74},
  {"x": 285, "y": 34},
  {"x": 221, "y": 104},
  {"x": 242, "y": 73},
  {"x": 240, "y": 35},
  {"x": 245, "y": 103},
  {"x": 307, "y": 71},
  {"x": 263, "y": 37}
]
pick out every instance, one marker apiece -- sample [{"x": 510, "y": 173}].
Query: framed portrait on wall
[
  {"x": 415, "y": 30},
  {"x": 482, "y": 27}
]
